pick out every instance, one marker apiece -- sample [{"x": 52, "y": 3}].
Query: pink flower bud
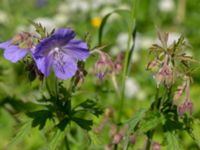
[
  {"x": 156, "y": 146},
  {"x": 132, "y": 138},
  {"x": 103, "y": 66}
]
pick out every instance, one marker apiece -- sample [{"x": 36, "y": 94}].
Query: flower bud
[
  {"x": 132, "y": 138},
  {"x": 103, "y": 66},
  {"x": 156, "y": 146}
]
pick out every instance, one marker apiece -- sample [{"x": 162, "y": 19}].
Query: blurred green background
[{"x": 174, "y": 16}]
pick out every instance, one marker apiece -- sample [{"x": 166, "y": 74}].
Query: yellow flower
[{"x": 96, "y": 22}]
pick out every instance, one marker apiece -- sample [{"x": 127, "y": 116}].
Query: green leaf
[
  {"x": 152, "y": 120},
  {"x": 40, "y": 117},
  {"x": 85, "y": 124},
  {"x": 194, "y": 131},
  {"x": 132, "y": 123},
  {"x": 104, "y": 20},
  {"x": 56, "y": 140},
  {"x": 22, "y": 133},
  {"x": 62, "y": 124},
  {"x": 90, "y": 106},
  {"x": 172, "y": 141},
  {"x": 39, "y": 29}
]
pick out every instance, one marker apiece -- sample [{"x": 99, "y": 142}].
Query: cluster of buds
[
  {"x": 165, "y": 73},
  {"x": 169, "y": 62},
  {"x": 187, "y": 105},
  {"x": 105, "y": 66},
  {"x": 24, "y": 40}
]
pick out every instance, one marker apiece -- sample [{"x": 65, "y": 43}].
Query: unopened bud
[
  {"x": 132, "y": 138},
  {"x": 103, "y": 66},
  {"x": 156, "y": 146}
]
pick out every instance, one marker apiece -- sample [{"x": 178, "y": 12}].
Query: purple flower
[
  {"x": 17, "y": 48},
  {"x": 62, "y": 52}
]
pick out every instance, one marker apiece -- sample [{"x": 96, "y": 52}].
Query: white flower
[
  {"x": 131, "y": 88},
  {"x": 166, "y": 5},
  {"x": 3, "y": 17},
  {"x": 82, "y": 6},
  {"x": 122, "y": 40},
  {"x": 63, "y": 8},
  {"x": 60, "y": 20}
]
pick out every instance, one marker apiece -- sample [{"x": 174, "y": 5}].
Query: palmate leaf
[
  {"x": 85, "y": 124},
  {"x": 40, "y": 117},
  {"x": 90, "y": 106}
]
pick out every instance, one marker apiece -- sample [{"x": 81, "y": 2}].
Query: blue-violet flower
[{"x": 61, "y": 51}]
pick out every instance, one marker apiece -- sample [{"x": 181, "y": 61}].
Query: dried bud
[
  {"x": 103, "y": 66},
  {"x": 156, "y": 146},
  {"x": 80, "y": 74}
]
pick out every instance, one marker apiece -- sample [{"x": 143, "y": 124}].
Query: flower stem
[{"x": 126, "y": 63}]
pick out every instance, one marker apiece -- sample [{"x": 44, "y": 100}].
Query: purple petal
[
  {"x": 4, "y": 45},
  {"x": 77, "y": 49},
  {"x": 44, "y": 65},
  {"x": 14, "y": 53},
  {"x": 65, "y": 33},
  {"x": 67, "y": 70},
  {"x": 58, "y": 39}
]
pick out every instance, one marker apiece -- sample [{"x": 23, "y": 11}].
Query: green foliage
[
  {"x": 172, "y": 140},
  {"x": 40, "y": 117},
  {"x": 21, "y": 134}
]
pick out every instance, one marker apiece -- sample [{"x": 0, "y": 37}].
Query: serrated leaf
[
  {"x": 172, "y": 141},
  {"x": 90, "y": 106},
  {"x": 151, "y": 122},
  {"x": 132, "y": 123},
  {"x": 40, "y": 117},
  {"x": 194, "y": 131},
  {"x": 56, "y": 140},
  {"x": 21, "y": 134},
  {"x": 63, "y": 123}
]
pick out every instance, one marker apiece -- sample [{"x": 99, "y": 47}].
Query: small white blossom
[
  {"x": 166, "y": 5},
  {"x": 131, "y": 88}
]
